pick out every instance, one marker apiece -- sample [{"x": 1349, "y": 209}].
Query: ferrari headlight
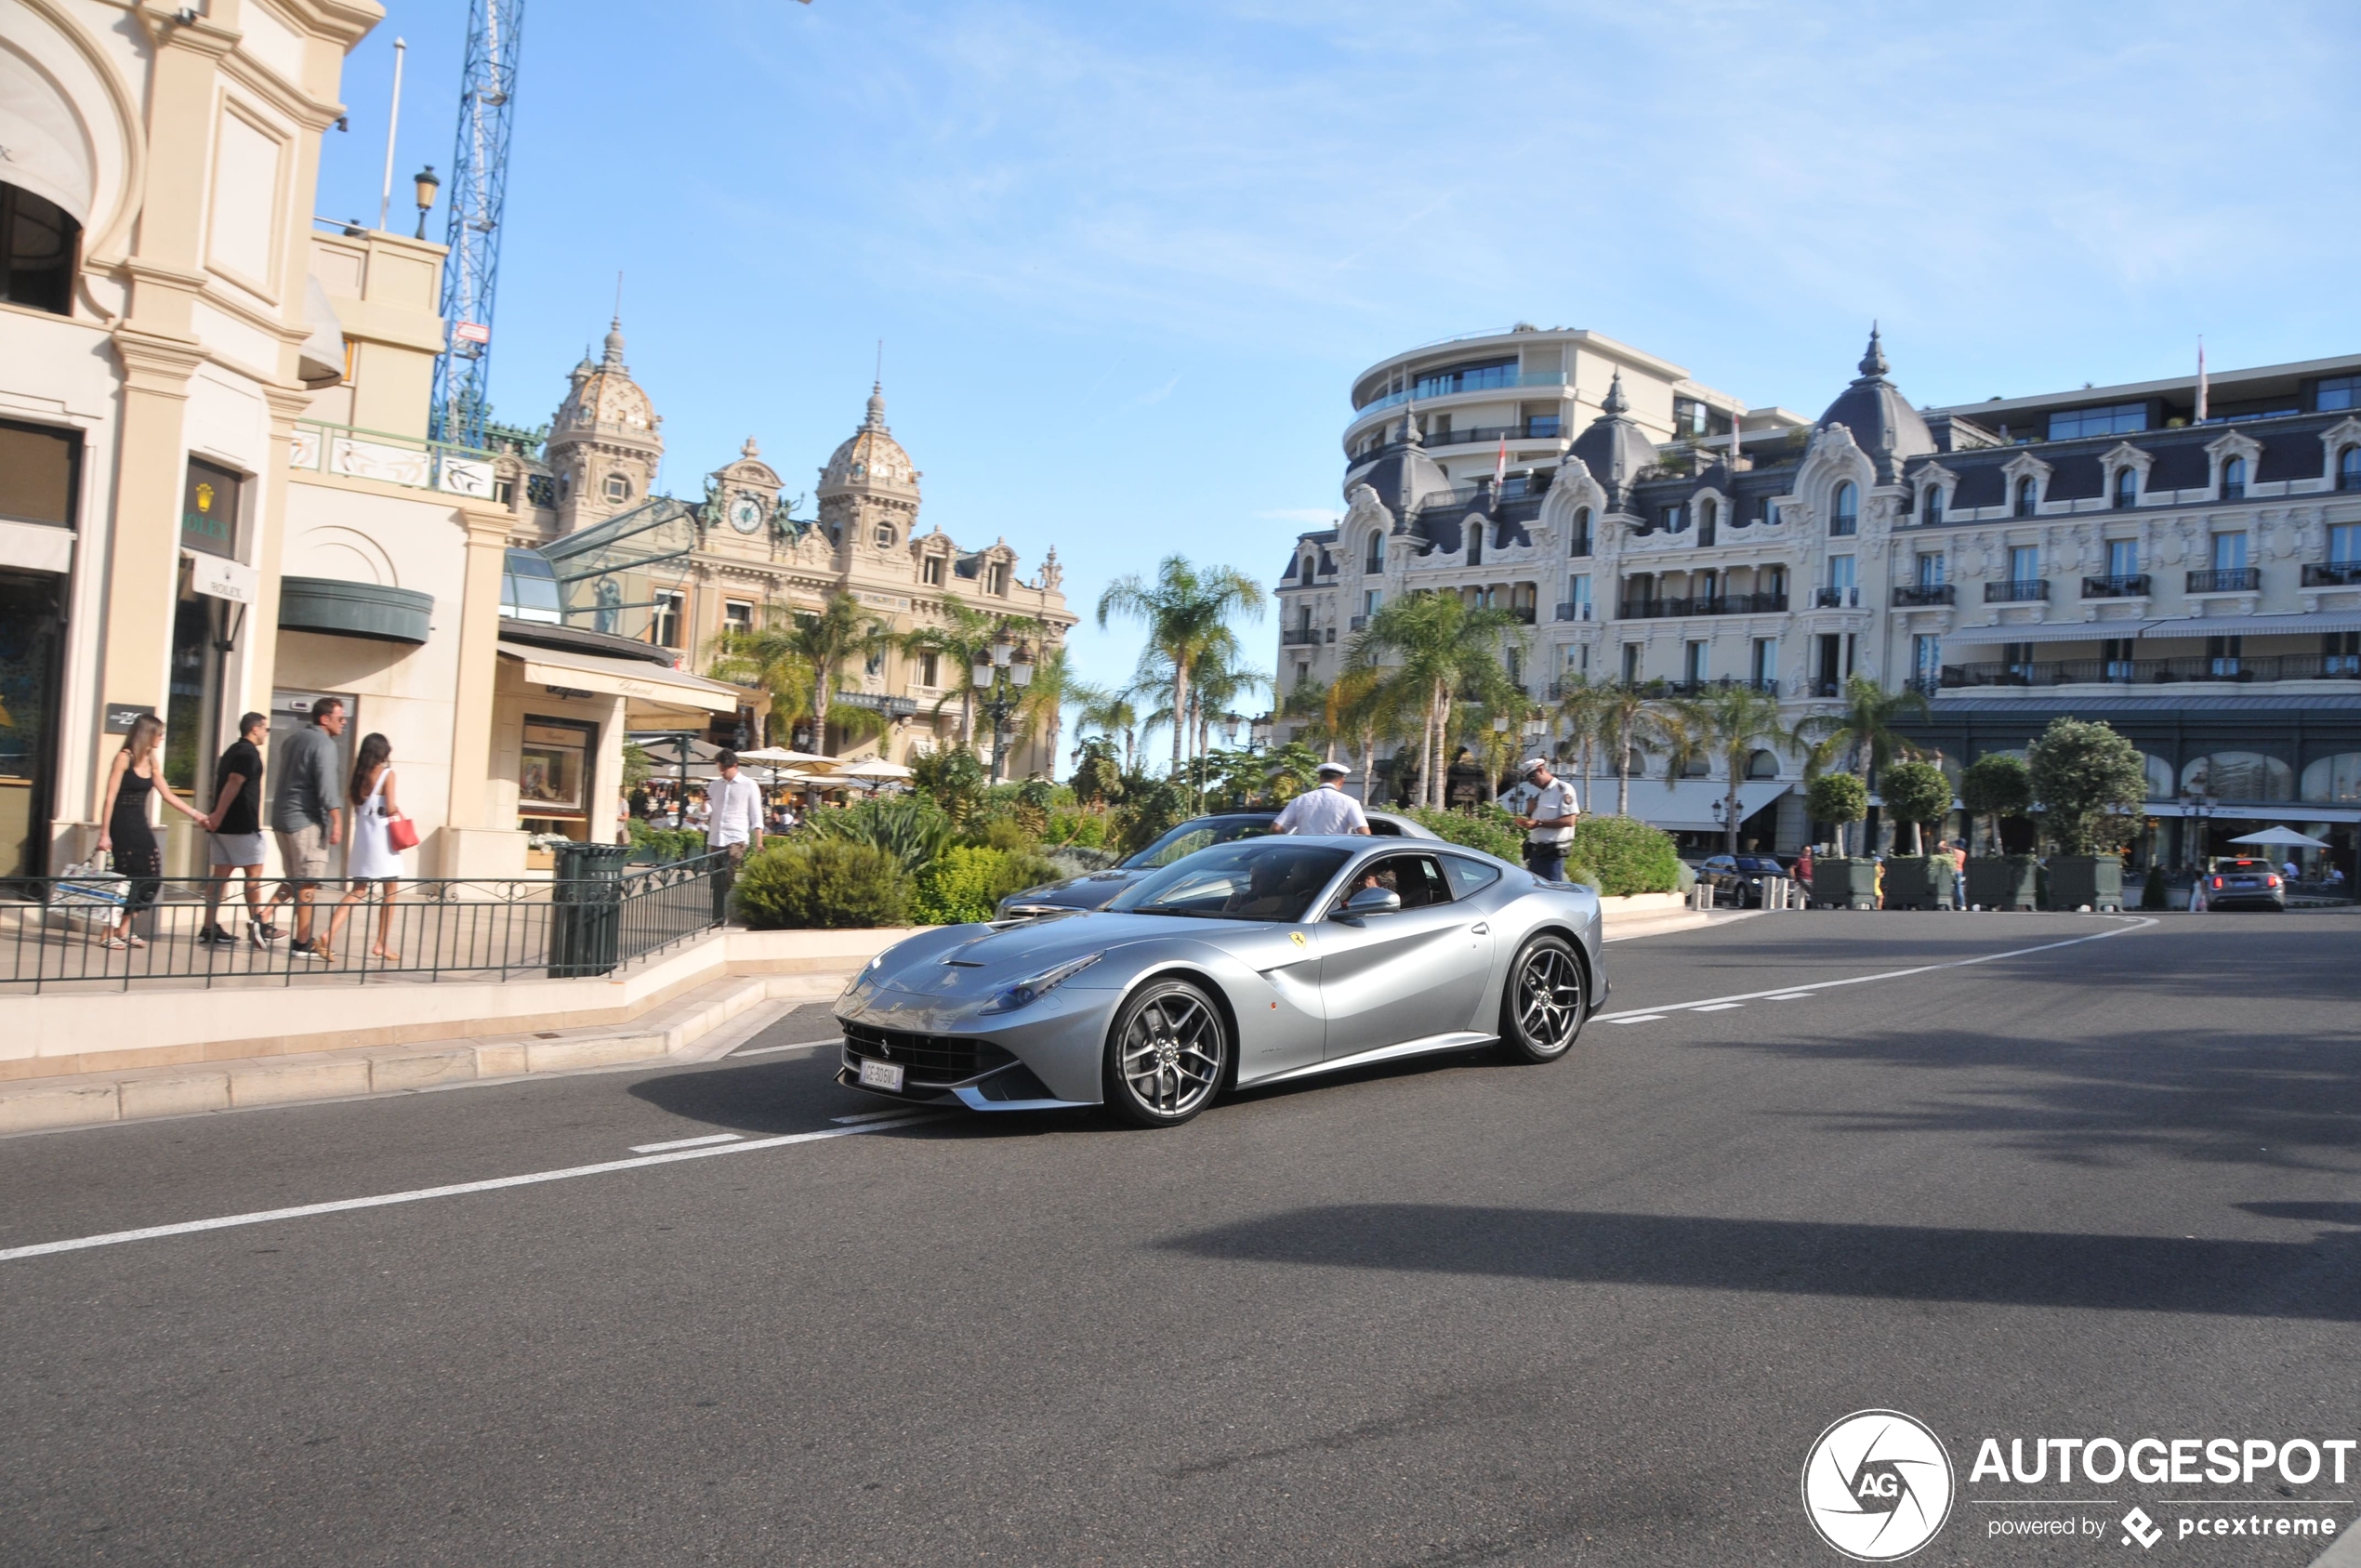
[
  {"x": 1033, "y": 987},
  {"x": 865, "y": 982}
]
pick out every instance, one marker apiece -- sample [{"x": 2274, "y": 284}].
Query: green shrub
[
  {"x": 1488, "y": 827},
  {"x": 1148, "y": 812},
  {"x": 1628, "y": 856},
  {"x": 1838, "y": 798},
  {"x": 664, "y": 845},
  {"x": 953, "y": 778},
  {"x": 1996, "y": 787},
  {"x": 2088, "y": 779},
  {"x": 1916, "y": 792},
  {"x": 1583, "y": 876},
  {"x": 909, "y": 828},
  {"x": 967, "y": 882},
  {"x": 1087, "y": 829},
  {"x": 826, "y": 883},
  {"x": 2152, "y": 889},
  {"x": 1007, "y": 835}
]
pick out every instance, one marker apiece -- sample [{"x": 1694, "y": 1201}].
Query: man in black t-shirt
[{"x": 235, "y": 833}]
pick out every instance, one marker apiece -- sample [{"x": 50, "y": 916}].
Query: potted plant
[
  {"x": 2088, "y": 779},
  {"x": 1916, "y": 793},
  {"x": 1995, "y": 788},
  {"x": 1841, "y": 881}
]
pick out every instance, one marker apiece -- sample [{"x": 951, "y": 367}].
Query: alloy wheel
[
  {"x": 1171, "y": 1054},
  {"x": 1548, "y": 999}
]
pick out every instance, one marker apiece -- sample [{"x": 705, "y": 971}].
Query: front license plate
[{"x": 884, "y": 1076}]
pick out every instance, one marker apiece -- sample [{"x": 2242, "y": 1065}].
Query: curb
[{"x": 673, "y": 1034}]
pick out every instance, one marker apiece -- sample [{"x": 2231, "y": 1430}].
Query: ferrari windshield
[
  {"x": 1199, "y": 834},
  {"x": 1248, "y": 879}
]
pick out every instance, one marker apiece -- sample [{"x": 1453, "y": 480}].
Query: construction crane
[{"x": 479, "y": 195}]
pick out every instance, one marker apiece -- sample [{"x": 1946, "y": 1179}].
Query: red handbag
[{"x": 401, "y": 833}]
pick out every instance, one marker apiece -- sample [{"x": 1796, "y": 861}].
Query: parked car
[
  {"x": 1737, "y": 880},
  {"x": 2240, "y": 883},
  {"x": 1250, "y": 962},
  {"x": 1098, "y": 889}
]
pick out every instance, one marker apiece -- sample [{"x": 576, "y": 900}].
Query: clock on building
[{"x": 746, "y": 514}]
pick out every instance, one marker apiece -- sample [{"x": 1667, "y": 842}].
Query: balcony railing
[
  {"x": 1299, "y": 636},
  {"x": 2335, "y": 574},
  {"x": 1577, "y": 611},
  {"x": 1528, "y": 378},
  {"x": 2131, "y": 585},
  {"x": 2159, "y": 672},
  {"x": 2235, "y": 579},
  {"x": 1923, "y": 594},
  {"x": 1836, "y": 598},
  {"x": 1724, "y": 604},
  {"x": 408, "y": 461},
  {"x": 1358, "y": 623},
  {"x": 2029, "y": 592},
  {"x": 1524, "y": 612}
]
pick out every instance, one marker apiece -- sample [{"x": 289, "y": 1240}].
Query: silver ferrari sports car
[{"x": 1251, "y": 962}]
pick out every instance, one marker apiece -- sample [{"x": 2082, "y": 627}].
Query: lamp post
[
  {"x": 427, "y": 186},
  {"x": 2199, "y": 806},
  {"x": 1001, "y": 675}
]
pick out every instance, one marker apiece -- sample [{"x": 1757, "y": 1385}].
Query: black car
[
  {"x": 1737, "y": 880},
  {"x": 1098, "y": 889}
]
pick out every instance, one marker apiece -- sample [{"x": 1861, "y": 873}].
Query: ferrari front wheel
[
  {"x": 1542, "y": 1009},
  {"x": 1166, "y": 1055}
]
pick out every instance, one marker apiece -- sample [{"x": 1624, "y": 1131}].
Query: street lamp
[
  {"x": 428, "y": 185},
  {"x": 2196, "y": 803},
  {"x": 999, "y": 696}
]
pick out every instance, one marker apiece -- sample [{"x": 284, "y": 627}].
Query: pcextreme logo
[{"x": 1878, "y": 1486}]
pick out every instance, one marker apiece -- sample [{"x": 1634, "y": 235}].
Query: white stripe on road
[
  {"x": 304, "y": 1211},
  {"x": 790, "y": 1046},
  {"x": 687, "y": 1143},
  {"x": 1717, "y": 1007},
  {"x": 1794, "y": 993}
]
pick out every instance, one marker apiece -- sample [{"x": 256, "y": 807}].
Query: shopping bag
[
  {"x": 401, "y": 833},
  {"x": 93, "y": 891}
]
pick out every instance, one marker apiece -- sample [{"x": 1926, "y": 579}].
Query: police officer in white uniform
[
  {"x": 1552, "y": 811},
  {"x": 1325, "y": 810}
]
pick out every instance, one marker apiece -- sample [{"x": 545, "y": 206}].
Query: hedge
[
  {"x": 1627, "y": 855},
  {"x": 1488, "y": 829},
  {"x": 826, "y": 883},
  {"x": 968, "y": 883}
]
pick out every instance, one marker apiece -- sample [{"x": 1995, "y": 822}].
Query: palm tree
[
  {"x": 842, "y": 630},
  {"x": 1625, "y": 717},
  {"x": 770, "y": 660},
  {"x": 1042, "y": 705},
  {"x": 1730, "y": 724},
  {"x": 1216, "y": 684},
  {"x": 964, "y": 639},
  {"x": 1112, "y": 712},
  {"x": 1577, "y": 713},
  {"x": 1186, "y": 610},
  {"x": 1364, "y": 707},
  {"x": 1864, "y": 732},
  {"x": 1443, "y": 650}
]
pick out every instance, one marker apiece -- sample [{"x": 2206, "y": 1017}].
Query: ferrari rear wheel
[
  {"x": 1543, "y": 1009},
  {"x": 1166, "y": 1055}
]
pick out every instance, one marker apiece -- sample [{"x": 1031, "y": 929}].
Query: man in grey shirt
[{"x": 306, "y": 812}]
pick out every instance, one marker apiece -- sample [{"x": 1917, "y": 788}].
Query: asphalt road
[{"x": 1449, "y": 1312}]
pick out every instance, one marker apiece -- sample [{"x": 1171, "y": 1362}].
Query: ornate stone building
[{"x": 617, "y": 557}]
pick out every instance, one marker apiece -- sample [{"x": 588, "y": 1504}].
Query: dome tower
[
  {"x": 868, "y": 491},
  {"x": 606, "y": 441}
]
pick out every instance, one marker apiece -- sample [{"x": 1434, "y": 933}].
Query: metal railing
[
  {"x": 2024, "y": 592},
  {"x": 2132, "y": 585},
  {"x": 1717, "y": 604},
  {"x": 111, "y": 932},
  {"x": 1298, "y": 636},
  {"x": 1836, "y": 598},
  {"x": 409, "y": 461},
  {"x": 2235, "y": 579},
  {"x": 2334, "y": 575},
  {"x": 1578, "y": 611},
  {"x": 2193, "y": 668},
  {"x": 1922, "y": 594}
]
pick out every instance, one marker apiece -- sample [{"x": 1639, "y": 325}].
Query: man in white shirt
[
  {"x": 1325, "y": 810},
  {"x": 733, "y": 825},
  {"x": 1548, "y": 821}
]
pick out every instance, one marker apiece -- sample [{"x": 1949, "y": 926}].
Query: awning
[
  {"x": 636, "y": 679},
  {"x": 47, "y": 153},
  {"x": 320, "y": 363},
  {"x": 2182, "y": 627},
  {"x": 1687, "y": 807}
]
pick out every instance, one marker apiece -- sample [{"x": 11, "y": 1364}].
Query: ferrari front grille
[{"x": 947, "y": 1057}]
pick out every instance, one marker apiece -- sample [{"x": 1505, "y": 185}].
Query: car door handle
[{"x": 1480, "y": 928}]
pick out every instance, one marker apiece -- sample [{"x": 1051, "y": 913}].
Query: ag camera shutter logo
[{"x": 1878, "y": 1486}]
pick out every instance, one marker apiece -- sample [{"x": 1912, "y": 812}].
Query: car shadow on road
[
  {"x": 800, "y": 1094},
  {"x": 2312, "y": 1279}
]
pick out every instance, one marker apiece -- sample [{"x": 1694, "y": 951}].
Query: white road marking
[
  {"x": 1717, "y": 1008},
  {"x": 790, "y": 1046},
  {"x": 866, "y": 1117},
  {"x": 1790, "y": 996},
  {"x": 1792, "y": 993},
  {"x": 304, "y": 1211},
  {"x": 687, "y": 1143}
]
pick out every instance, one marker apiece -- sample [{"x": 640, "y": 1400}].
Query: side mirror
[{"x": 1372, "y": 901}]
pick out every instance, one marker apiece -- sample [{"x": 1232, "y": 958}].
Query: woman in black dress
[{"x": 131, "y": 779}]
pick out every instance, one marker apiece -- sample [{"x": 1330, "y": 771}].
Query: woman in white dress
[{"x": 372, "y": 860}]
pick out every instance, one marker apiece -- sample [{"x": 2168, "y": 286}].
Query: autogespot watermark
[{"x": 1878, "y": 1486}]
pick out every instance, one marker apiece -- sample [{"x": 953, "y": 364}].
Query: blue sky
[{"x": 1125, "y": 259}]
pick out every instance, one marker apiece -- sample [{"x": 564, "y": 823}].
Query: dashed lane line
[
  {"x": 1717, "y": 1007},
  {"x": 686, "y": 1142},
  {"x": 1796, "y": 992},
  {"x": 381, "y": 1200}
]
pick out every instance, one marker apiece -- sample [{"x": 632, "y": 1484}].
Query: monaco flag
[{"x": 1500, "y": 465}]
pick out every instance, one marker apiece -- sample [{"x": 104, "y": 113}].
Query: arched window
[
  {"x": 2349, "y": 468},
  {"x": 2127, "y": 486},
  {"x": 1375, "y": 558},
  {"x": 1844, "y": 510},
  {"x": 1475, "y": 543},
  {"x": 1933, "y": 510},
  {"x": 39, "y": 247},
  {"x": 2233, "y": 478},
  {"x": 1762, "y": 765},
  {"x": 2028, "y": 496},
  {"x": 1581, "y": 544}
]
